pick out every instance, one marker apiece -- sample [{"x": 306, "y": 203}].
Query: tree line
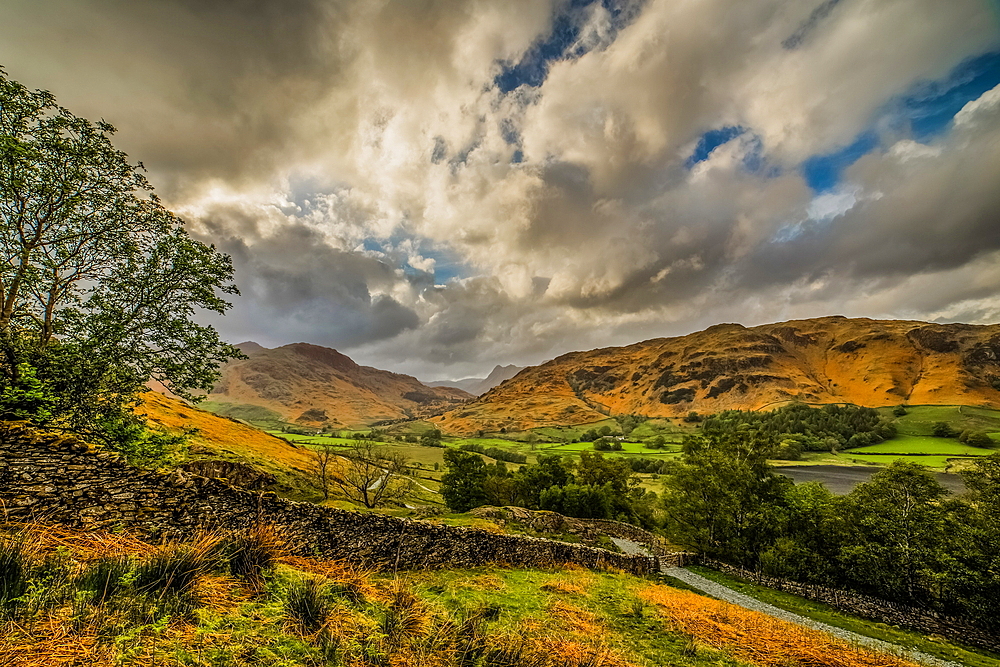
[
  {"x": 900, "y": 536},
  {"x": 592, "y": 487},
  {"x": 799, "y": 427}
]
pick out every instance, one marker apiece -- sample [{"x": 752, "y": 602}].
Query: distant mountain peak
[
  {"x": 319, "y": 385},
  {"x": 249, "y": 347},
  {"x": 479, "y": 386}
]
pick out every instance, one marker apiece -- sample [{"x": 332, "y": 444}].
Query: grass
[
  {"x": 824, "y": 613},
  {"x": 920, "y": 419},
  {"x": 921, "y": 444},
  {"x": 311, "y": 612}
]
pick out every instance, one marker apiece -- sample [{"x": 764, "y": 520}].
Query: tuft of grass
[
  {"x": 251, "y": 554},
  {"x": 105, "y": 578},
  {"x": 175, "y": 567},
  {"x": 15, "y": 568},
  {"x": 308, "y": 603}
]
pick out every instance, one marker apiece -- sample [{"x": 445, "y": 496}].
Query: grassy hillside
[
  {"x": 103, "y": 599},
  {"x": 215, "y": 437}
]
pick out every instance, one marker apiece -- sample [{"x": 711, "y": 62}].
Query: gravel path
[{"x": 721, "y": 592}]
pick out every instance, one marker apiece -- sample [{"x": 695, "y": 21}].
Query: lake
[{"x": 842, "y": 479}]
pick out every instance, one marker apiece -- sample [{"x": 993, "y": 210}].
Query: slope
[
  {"x": 479, "y": 386},
  {"x": 319, "y": 386},
  {"x": 729, "y": 366}
]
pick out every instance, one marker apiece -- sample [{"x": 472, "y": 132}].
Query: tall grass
[
  {"x": 308, "y": 603},
  {"x": 15, "y": 569}
]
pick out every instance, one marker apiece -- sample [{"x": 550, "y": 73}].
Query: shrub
[{"x": 942, "y": 430}]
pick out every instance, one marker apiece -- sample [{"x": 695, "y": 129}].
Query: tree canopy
[{"x": 99, "y": 282}]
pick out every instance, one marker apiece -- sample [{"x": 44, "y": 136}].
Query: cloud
[{"x": 343, "y": 151}]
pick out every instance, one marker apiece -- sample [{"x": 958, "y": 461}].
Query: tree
[
  {"x": 942, "y": 430},
  {"x": 899, "y": 527},
  {"x": 98, "y": 281},
  {"x": 322, "y": 464},
  {"x": 371, "y": 475},
  {"x": 462, "y": 485},
  {"x": 721, "y": 496}
]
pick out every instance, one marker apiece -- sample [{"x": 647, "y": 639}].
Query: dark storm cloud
[
  {"x": 339, "y": 148},
  {"x": 297, "y": 287},
  {"x": 197, "y": 87}
]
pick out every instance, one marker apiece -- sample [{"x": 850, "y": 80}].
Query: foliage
[
  {"x": 721, "y": 496},
  {"x": 98, "y": 281},
  {"x": 495, "y": 453},
  {"x": 371, "y": 475},
  {"x": 799, "y": 427},
  {"x": 594, "y": 487},
  {"x": 462, "y": 484},
  {"x": 899, "y": 536},
  {"x": 943, "y": 430}
]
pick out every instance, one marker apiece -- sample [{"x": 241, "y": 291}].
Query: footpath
[{"x": 720, "y": 592}]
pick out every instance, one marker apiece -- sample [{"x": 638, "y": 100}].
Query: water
[{"x": 842, "y": 479}]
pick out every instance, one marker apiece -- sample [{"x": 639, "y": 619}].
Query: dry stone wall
[
  {"x": 878, "y": 609},
  {"x": 58, "y": 478}
]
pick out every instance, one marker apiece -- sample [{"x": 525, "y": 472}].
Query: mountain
[
  {"x": 729, "y": 366},
  {"x": 316, "y": 385},
  {"x": 479, "y": 386}
]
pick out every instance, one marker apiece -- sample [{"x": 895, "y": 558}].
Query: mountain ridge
[
  {"x": 479, "y": 386},
  {"x": 316, "y": 385},
  {"x": 728, "y": 366}
]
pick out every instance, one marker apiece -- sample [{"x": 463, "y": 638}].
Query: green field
[
  {"x": 920, "y": 419},
  {"x": 922, "y": 444}
]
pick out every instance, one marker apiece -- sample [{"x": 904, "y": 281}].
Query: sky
[{"x": 438, "y": 186}]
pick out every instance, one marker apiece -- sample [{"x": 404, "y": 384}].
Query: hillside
[
  {"x": 479, "y": 386},
  {"x": 319, "y": 386},
  {"x": 729, "y": 366},
  {"x": 222, "y": 439}
]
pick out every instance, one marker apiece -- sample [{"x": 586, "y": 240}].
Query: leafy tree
[
  {"x": 942, "y": 430},
  {"x": 532, "y": 480},
  {"x": 657, "y": 442},
  {"x": 812, "y": 534},
  {"x": 721, "y": 496},
  {"x": 98, "y": 281},
  {"x": 899, "y": 524},
  {"x": 899, "y": 411},
  {"x": 581, "y": 501},
  {"x": 371, "y": 475},
  {"x": 462, "y": 484}
]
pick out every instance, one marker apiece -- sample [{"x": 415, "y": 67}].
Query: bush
[{"x": 942, "y": 430}]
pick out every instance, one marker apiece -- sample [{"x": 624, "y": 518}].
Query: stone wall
[
  {"x": 588, "y": 530},
  {"x": 874, "y": 608},
  {"x": 58, "y": 478}
]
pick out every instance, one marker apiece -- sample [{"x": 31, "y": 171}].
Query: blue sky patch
[
  {"x": 533, "y": 67},
  {"x": 924, "y": 112}
]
